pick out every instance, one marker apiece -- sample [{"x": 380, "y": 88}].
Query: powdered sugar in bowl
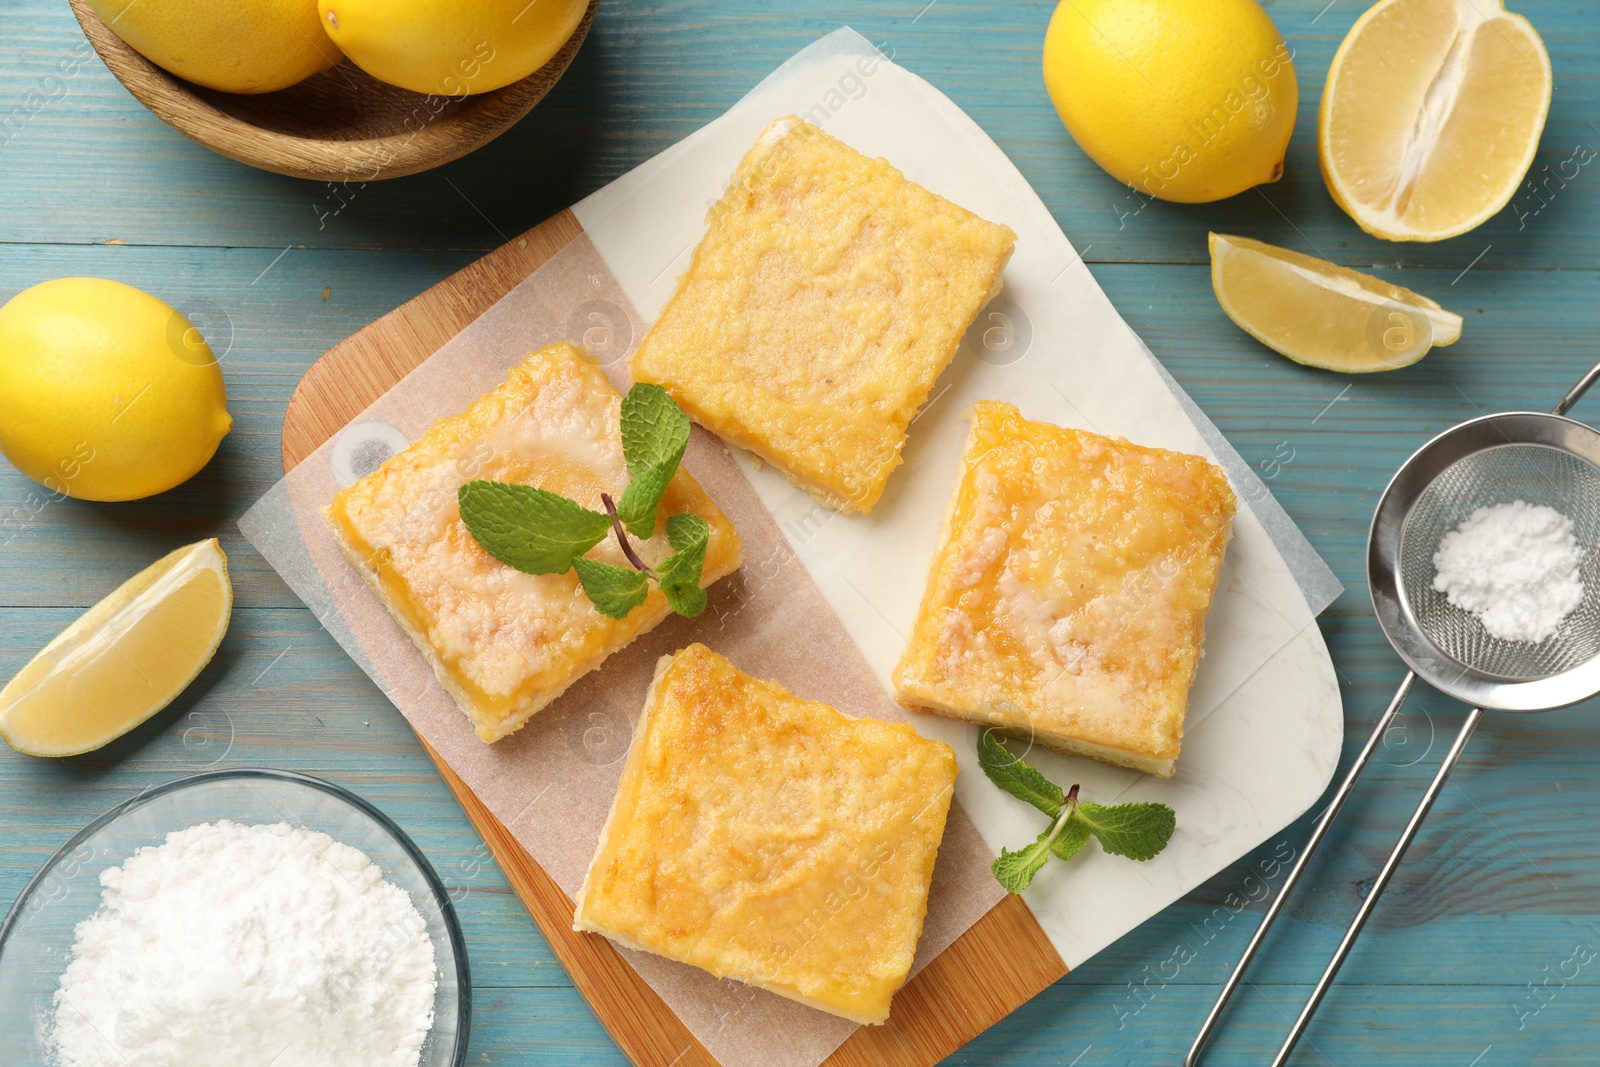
[{"x": 281, "y": 820}]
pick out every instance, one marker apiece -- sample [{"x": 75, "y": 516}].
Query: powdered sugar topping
[{"x": 1515, "y": 566}]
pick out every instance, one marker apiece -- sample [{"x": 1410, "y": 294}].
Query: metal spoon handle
[
  {"x": 1318, "y": 832},
  {"x": 1384, "y": 875},
  {"x": 1575, "y": 394}
]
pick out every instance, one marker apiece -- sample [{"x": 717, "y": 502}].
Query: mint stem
[
  {"x": 622, "y": 536},
  {"x": 1067, "y": 807}
]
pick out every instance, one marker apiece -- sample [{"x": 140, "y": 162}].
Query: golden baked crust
[
  {"x": 1067, "y": 597},
  {"x": 827, "y": 296},
  {"x": 505, "y": 643},
  {"x": 771, "y": 839}
]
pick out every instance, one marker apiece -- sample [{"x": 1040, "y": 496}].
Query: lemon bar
[
  {"x": 505, "y": 643},
  {"x": 826, "y": 297},
  {"x": 1067, "y": 598},
  {"x": 771, "y": 839}
]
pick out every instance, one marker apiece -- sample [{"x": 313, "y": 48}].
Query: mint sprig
[
  {"x": 540, "y": 532},
  {"x": 1139, "y": 830}
]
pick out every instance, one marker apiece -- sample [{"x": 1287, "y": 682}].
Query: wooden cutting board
[{"x": 998, "y": 964}]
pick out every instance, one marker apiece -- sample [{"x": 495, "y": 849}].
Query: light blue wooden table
[{"x": 1471, "y": 961}]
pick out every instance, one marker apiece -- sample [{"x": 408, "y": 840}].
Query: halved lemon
[
  {"x": 1321, "y": 314},
  {"x": 124, "y": 659},
  {"x": 1431, "y": 115}
]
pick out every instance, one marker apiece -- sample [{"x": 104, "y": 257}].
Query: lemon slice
[
  {"x": 124, "y": 659},
  {"x": 1431, "y": 115},
  {"x": 1321, "y": 314}
]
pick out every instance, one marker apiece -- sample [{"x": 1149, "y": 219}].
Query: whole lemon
[
  {"x": 106, "y": 392},
  {"x": 451, "y": 47},
  {"x": 1187, "y": 100},
  {"x": 241, "y": 46}
]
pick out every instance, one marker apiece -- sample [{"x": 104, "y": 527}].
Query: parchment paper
[{"x": 823, "y": 601}]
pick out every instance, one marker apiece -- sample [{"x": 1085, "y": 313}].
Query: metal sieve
[{"x": 1531, "y": 456}]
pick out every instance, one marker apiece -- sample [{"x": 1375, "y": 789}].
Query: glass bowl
[{"x": 36, "y": 940}]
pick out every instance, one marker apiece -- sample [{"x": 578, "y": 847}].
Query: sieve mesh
[{"x": 1538, "y": 474}]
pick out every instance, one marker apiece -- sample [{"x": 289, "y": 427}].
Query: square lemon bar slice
[
  {"x": 826, "y": 297},
  {"x": 1068, "y": 593},
  {"x": 771, "y": 839},
  {"x": 504, "y": 643}
]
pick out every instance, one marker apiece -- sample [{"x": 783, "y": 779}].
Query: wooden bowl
[{"x": 341, "y": 125}]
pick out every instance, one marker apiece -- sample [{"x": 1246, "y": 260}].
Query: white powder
[
  {"x": 1514, "y": 566},
  {"x": 247, "y": 946}
]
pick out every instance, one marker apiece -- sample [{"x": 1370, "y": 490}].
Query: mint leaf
[
  {"x": 613, "y": 590},
  {"x": 1015, "y": 869},
  {"x": 686, "y": 531},
  {"x": 1072, "y": 837},
  {"x": 1016, "y": 777},
  {"x": 640, "y": 502},
  {"x": 1138, "y": 831},
  {"x": 655, "y": 432},
  {"x": 531, "y": 529},
  {"x": 687, "y": 600},
  {"x": 688, "y": 534},
  {"x": 679, "y": 574}
]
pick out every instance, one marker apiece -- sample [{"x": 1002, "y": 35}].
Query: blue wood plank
[
  {"x": 652, "y": 73},
  {"x": 1470, "y": 958}
]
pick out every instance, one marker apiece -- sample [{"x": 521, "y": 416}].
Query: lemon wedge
[
  {"x": 1431, "y": 115},
  {"x": 124, "y": 659},
  {"x": 1321, "y": 314}
]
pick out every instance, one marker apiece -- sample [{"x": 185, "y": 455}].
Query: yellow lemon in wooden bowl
[
  {"x": 106, "y": 392},
  {"x": 1187, "y": 100},
  {"x": 241, "y": 46},
  {"x": 451, "y": 47}
]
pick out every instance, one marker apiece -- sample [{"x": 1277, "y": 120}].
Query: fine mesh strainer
[{"x": 1529, "y": 456}]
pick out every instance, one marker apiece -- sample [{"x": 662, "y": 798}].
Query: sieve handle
[
  {"x": 1575, "y": 394},
  {"x": 1317, "y": 834},
  {"x": 1384, "y": 875}
]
